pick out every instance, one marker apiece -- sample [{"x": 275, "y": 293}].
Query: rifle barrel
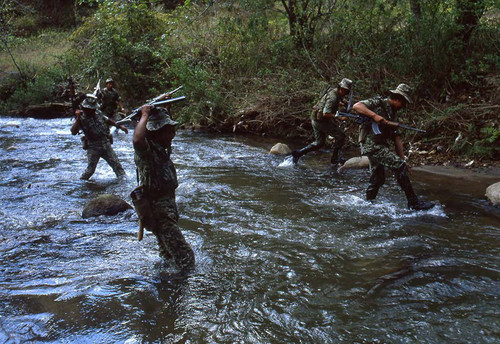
[
  {"x": 171, "y": 100},
  {"x": 135, "y": 112}
]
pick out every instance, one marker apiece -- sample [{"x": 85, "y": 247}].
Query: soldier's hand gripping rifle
[
  {"x": 153, "y": 103},
  {"x": 368, "y": 121}
]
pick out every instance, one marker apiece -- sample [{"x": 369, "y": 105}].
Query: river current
[{"x": 285, "y": 254}]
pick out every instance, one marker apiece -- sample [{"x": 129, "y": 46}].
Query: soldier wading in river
[
  {"x": 97, "y": 140},
  {"x": 324, "y": 122},
  {"x": 158, "y": 180},
  {"x": 376, "y": 147},
  {"x": 110, "y": 99}
]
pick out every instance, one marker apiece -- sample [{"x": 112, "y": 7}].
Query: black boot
[
  {"x": 413, "y": 202},
  {"x": 296, "y": 154},
  {"x": 335, "y": 159},
  {"x": 335, "y": 156},
  {"x": 420, "y": 205}
]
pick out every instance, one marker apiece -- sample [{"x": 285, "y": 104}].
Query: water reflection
[{"x": 284, "y": 253}]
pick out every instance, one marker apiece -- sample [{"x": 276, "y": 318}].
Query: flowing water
[{"x": 285, "y": 254}]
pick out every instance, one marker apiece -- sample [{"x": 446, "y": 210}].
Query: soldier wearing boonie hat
[
  {"x": 376, "y": 146},
  {"x": 97, "y": 140},
  {"x": 158, "y": 119},
  {"x": 324, "y": 122},
  {"x": 158, "y": 178},
  {"x": 110, "y": 100}
]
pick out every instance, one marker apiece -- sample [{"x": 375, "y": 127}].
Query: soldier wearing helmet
[
  {"x": 97, "y": 140},
  {"x": 152, "y": 140},
  {"x": 376, "y": 146},
  {"x": 324, "y": 122},
  {"x": 110, "y": 100}
]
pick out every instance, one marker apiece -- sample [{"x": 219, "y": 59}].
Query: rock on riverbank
[{"x": 493, "y": 194}]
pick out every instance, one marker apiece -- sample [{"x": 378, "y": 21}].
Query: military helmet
[
  {"x": 158, "y": 119},
  {"x": 109, "y": 80},
  {"x": 403, "y": 90},
  {"x": 90, "y": 102},
  {"x": 345, "y": 83}
]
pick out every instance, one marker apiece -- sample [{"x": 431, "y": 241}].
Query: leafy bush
[{"x": 40, "y": 88}]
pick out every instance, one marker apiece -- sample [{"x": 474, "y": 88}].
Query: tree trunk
[
  {"x": 469, "y": 13},
  {"x": 416, "y": 9}
]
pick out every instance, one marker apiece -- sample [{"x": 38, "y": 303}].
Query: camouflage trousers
[
  {"x": 98, "y": 151},
  {"x": 380, "y": 157},
  {"x": 171, "y": 242},
  {"x": 324, "y": 128}
]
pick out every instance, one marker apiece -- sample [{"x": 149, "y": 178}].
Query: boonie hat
[
  {"x": 109, "y": 80},
  {"x": 159, "y": 119},
  {"x": 90, "y": 102},
  {"x": 345, "y": 83},
  {"x": 403, "y": 90}
]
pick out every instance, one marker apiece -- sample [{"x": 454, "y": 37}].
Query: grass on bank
[{"x": 40, "y": 51}]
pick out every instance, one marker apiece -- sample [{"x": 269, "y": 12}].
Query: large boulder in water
[
  {"x": 493, "y": 194},
  {"x": 280, "y": 148},
  {"x": 356, "y": 162},
  {"x": 106, "y": 204}
]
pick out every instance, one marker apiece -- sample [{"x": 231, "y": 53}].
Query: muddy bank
[{"x": 469, "y": 181}]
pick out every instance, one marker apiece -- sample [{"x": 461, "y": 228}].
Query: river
[{"x": 285, "y": 254}]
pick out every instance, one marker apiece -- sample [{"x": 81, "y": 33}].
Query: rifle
[
  {"x": 368, "y": 121},
  {"x": 97, "y": 89},
  {"x": 350, "y": 99},
  {"x": 72, "y": 92},
  {"x": 153, "y": 102}
]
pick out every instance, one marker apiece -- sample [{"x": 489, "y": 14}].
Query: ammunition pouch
[
  {"x": 85, "y": 142},
  {"x": 142, "y": 205}
]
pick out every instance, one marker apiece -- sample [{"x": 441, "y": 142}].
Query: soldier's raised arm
[{"x": 139, "y": 139}]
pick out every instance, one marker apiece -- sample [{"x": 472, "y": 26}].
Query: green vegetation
[{"x": 258, "y": 66}]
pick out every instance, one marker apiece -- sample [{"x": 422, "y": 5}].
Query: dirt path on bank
[{"x": 471, "y": 181}]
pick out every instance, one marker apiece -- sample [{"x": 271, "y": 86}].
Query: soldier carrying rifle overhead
[
  {"x": 154, "y": 199},
  {"x": 383, "y": 111},
  {"x": 324, "y": 122},
  {"x": 97, "y": 139}
]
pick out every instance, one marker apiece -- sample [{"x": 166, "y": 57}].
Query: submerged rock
[
  {"x": 356, "y": 162},
  {"x": 493, "y": 194},
  {"x": 106, "y": 204},
  {"x": 280, "y": 148}
]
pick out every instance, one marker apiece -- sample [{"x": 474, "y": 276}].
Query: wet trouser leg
[
  {"x": 171, "y": 242},
  {"x": 404, "y": 182},
  {"x": 379, "y": 159},
  {"x": 93, "y": 156},
  {"x": 377, "y": 179},
  {"x": 339, "y": 136},
  {"x": 112, "y": 159},
  {"x": 320, "y": 139}
]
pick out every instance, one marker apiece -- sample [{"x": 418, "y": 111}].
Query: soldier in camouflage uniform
[
  {"x": 156, "y": 173},
  {"x": 376, "y": 147},
  {"x": 324, "y": 122},
  {"x": 97, "y": 140},
  {"x": 110, "y": 99}
]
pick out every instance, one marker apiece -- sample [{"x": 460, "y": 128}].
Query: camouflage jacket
[
  {"x": 328, "y": 103},
  {"x": 109, "y": 100},
  {"x": 368, "y": 139},
  {"x": 95, "y": 127},
  {"x": 155, "y": 170}
]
